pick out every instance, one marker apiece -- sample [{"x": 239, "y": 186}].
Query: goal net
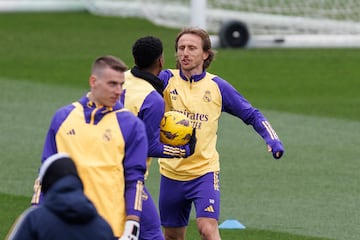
[{"x": 286, "y": 23}]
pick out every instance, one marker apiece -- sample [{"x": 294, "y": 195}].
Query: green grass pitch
[{"x": 311, "y": 97}]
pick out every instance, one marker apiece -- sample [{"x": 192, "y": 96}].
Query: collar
[
  {"x": 150, "y": 78},
  {"x": 193, "y": 78},
  {"x": 86, "y": 102}
]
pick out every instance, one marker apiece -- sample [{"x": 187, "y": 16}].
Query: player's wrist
[{"x": 131, "y": 230}]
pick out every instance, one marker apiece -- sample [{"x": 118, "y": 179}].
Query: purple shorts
[{"x": 176, "y": 198}]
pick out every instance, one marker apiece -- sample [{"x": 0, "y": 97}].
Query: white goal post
[
  {"x": 251, "y": 23},
  {"x": 232, "y": 23},
  {"x": 294, "y": 23}
]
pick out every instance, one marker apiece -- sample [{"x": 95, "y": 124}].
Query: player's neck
[
  {"x": 94, "y": 100},
  {"x": 191, "y": 72}
]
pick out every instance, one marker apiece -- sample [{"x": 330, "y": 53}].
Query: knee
[
  {"x": 174, "y": 233},
  {"x": 208, "y": 229}
]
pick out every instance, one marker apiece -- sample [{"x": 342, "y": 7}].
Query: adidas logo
[
  {"x": 209, "y": 209},
  {"x": 71, "y": 132},
  {"x": 174, "y": 92}
]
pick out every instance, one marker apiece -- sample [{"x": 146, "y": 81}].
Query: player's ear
[
  {"x": 92, "y": 80},
  {"x": 205, "y": 55},
  {"x": 162, "y": 61}
]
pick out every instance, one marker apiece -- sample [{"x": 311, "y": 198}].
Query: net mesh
[{"x": 261, "y": 16}]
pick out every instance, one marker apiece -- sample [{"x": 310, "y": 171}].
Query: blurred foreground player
[{"x": 66, "y": 213}]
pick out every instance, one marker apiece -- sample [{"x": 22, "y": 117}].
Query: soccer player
[
  {"x": 202, "y": 96},
  {"x": 108, "y": 145},
  {"x": 143, "y": 96},
  {"x": 66, "y": 212}
]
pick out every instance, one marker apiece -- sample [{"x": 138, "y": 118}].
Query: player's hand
[
  {"x": 276, "y": 148},
  {"x": 192, "y": 142},
  {"x": 35, "y": 200},
  {"x": 132, "y": 230}
]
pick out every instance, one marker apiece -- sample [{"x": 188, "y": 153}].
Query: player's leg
[
  {"x": 150, "y": 228},
  {"x": 207, "y": 205},
  {"x": 174, "y": 208},
  {"x": 208, "y": 228},
  {"x": 175, "y": 233}
]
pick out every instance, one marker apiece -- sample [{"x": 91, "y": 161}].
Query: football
[{"x": 175, "y": 129}]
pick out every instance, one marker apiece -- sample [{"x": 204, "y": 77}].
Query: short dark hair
[
  {"x": 108, "y": 61},
  {"x": 146, "y": 50}
]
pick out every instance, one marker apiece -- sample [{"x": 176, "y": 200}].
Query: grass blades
[
  {"x": 309, "y": 95},
  {"x": 11, "y": 208}
]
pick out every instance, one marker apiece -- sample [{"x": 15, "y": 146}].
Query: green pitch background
[{"x": 311, "y": 97}]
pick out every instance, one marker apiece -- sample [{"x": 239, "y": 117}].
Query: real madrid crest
[
  {"x": 207, "y": 96},
  {"x": 107, "y": 135}
]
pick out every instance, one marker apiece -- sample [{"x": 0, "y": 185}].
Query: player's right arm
[{"x": 50, "y": 147}]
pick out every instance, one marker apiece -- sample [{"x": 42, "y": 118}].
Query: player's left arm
[
  {"x": 263, "y": 127},
  {"x": 236, "y": 104},
  {"x": 134, "y": 163}
]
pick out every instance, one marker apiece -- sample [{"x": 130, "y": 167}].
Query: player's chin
[
  {"x": 186, "y": 67},
  {"x": 112, "y": 102}
]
